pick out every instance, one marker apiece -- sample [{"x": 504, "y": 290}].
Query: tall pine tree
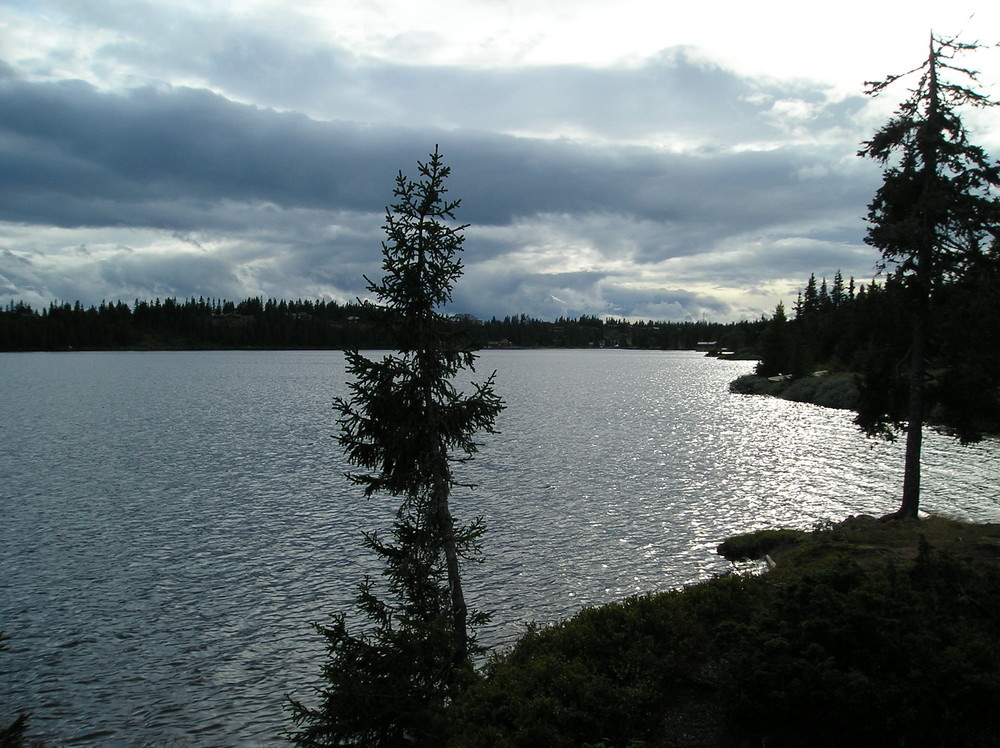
[
  {"x": 931, "y": 220},
  {"x": 405, "y": 425}
]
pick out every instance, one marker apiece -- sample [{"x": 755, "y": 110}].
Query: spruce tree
[
  {"x": 405, "y": 425},
  {"x": 931, "y": 220},
  {"x": 776, "y": 351}
]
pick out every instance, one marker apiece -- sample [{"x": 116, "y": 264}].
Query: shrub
[
  {"x": 837, "y": 392},
  {"x": 755, "y": 545},
  {"x": 879, "y": 656},
  {"x": 749, "y": 384},
  {"x": 845, "y": 653},
  {"x": 610, "y": 675}
]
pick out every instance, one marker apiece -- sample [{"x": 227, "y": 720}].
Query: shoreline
[{"x": 838, "y": 390}]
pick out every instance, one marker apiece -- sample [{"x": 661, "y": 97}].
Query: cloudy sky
[{"x": 635, "y": 158}]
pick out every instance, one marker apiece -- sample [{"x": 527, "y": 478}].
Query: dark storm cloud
[
  {"x": 73, "y": 156},
  {"x": 676, "y": 161},
  {"x": 251, "y": 148}
]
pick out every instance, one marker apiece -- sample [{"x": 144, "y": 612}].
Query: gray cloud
[
  {"x": 663, "y": 189},
  {"x": 153, "y": 144},
  {"x": 678, "y": 95}
]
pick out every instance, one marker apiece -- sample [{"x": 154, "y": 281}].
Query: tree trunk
[
  {"x": 459, "y": 609},
  {"x": 441, "y": 514},
  {"x": 915, "y": 415},
  {"x": 928, "y": 218}
]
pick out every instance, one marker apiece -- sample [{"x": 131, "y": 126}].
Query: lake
[{"x": 174, "y": 521}]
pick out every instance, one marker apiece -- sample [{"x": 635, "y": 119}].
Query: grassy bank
[
  {"x": 831, "y": 390},
  {"x": 863, "y": 633}
]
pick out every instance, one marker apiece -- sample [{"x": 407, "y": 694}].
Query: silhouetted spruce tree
[
  {"x": 929, "y": 220},
  {"x": 775, "y": 346},
  {"x": 966, "y": 391},
  {"x": 406, "y": 424}
]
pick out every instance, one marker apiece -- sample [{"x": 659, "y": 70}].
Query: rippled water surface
[{"x": 173, "y": 522}]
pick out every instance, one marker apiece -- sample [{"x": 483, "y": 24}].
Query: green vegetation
[
  {"x": 407, "y": 424},
  {"x": 256, "y": 323},
  {"x": 757, "y": 545},
  {"x": 851, "y": 353},
  {"x": 832, "y": 327},
  {"x": 924, "y": 343},
  {"x": 864, "y": 633},
  {"x": 936, "y": 221}
]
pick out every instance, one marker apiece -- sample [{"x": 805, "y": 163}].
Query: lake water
[{"x": 173, "y": 522}]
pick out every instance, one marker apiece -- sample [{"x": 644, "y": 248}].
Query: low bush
[
  {"x": 613, "y": 675},
  {"x": 854, "y": 656},
  {"x": 902, "y": 649},
  {"x": 833, "y": 391},
  {"x": 749, "y": 384},
  {"x": 755, "y": 545},
  {"x": 838, "y": 392}
]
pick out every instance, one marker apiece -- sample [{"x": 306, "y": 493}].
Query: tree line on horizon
[
  {"x": 838, "y": 325},
  {"x": 865, "y": 330},
  {"x": 258, "y": 323}
]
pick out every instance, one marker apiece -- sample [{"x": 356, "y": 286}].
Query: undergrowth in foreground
[{"x": 862, "y": 636}]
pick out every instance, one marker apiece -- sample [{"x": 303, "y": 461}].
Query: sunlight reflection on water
[{"x": 174, "y": 521}]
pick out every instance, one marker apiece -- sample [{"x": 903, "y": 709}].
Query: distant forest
[
  {"x": 272, "y": 324},
  {"x": 834, "y": 325},
  {"x": 865, "y": 329}
]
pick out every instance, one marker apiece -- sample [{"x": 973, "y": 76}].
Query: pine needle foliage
[
  {"x": 405, "y": 426},
  {"x": 934, "y": 220}
]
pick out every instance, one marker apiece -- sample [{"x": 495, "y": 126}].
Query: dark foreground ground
[{"x": 861, "y": 633}]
